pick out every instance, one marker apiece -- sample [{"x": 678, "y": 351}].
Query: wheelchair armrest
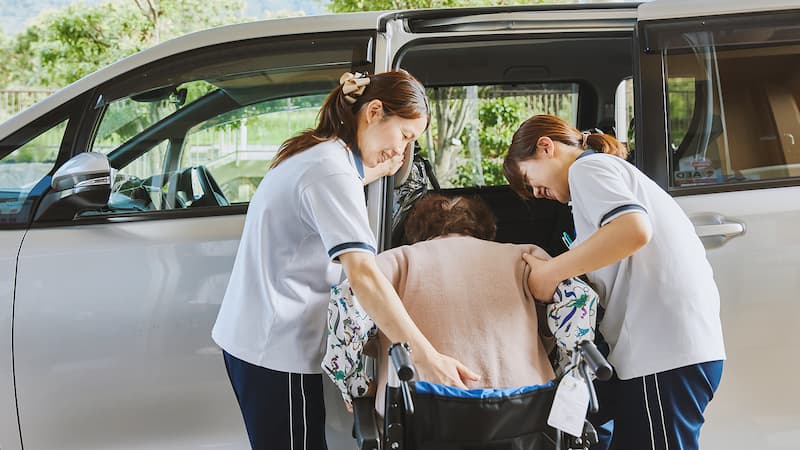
[{"x": 365, "y": 429}]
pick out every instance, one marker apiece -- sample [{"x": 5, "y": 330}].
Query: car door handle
[{"x": 727, "y": 230}]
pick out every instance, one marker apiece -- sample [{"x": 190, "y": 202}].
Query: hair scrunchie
[{"x": 353, "y": 85}]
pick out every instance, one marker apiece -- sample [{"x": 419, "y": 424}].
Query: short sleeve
[
  {"x": 601, "y": 190},
  {"x": 336, "y": 207}
]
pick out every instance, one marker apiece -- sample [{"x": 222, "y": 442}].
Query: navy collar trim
[
  {"x": 355, "y": 156},
  {"x": 586, "y": 152},
  {"x": 359, "y": 163}
]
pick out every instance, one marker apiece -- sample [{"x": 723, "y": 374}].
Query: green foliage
[
  {"x": 61, "y": 46},
  {"x": 492, "y": 173},
  {"x": 499, "y": 118}
]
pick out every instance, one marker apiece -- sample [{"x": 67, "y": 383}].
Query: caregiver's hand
[
  {"x": 541, "y": 282},
  {"x": 442, "y": 369}
]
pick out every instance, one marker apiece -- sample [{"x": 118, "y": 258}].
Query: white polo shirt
[
  {"x": 306, "y": 212},
  {"x": 662, "y": 304}
]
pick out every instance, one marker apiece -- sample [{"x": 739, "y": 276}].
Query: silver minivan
[{"x": 122, "y": 196}]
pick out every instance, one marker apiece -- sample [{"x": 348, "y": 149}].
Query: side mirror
[{"x": 83, "y": 182}]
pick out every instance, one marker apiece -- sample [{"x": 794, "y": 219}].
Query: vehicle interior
[{"x": 592, "y": 68}]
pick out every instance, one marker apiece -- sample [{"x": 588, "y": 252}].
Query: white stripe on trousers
[
  {"x": 647, "y": 407},
  {"x": 661, "y": 410},
  {"x": 303, "y": 392}
]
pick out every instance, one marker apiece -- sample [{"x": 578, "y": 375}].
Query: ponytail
[{"x": 605, "y": 143}]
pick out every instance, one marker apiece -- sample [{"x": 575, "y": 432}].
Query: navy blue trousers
[
  {"x": 281, "y": 411},
  {"x": 659, "y": 411}
]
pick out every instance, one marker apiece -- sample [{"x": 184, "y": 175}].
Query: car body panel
[
  {"x": 127, "y": 354},
  {"x": 10, "y": 241},
  {"x": 757, "y": 274}
]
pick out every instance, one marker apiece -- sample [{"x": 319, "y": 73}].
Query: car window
[
  {"x": 733, "y": 100},
  {"x": 471, "y": 127},
  {"x": 143, "y": 185},
  {"x": 200, "y": 130},
  {"x": 24, "y": 167}
]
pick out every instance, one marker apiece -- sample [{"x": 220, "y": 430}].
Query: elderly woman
[{"x": 467, "y": 294}]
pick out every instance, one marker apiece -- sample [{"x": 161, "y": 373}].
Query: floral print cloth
[
  {"x": 571, "y": 318},
  {"x": 349, "y": 329}
]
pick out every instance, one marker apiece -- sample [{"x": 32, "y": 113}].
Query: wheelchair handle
[
  {"x": 595, "y": 360},
  {"x": 401, "y": 359}
]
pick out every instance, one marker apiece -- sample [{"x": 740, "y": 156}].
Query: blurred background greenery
[{"x": 66, "y": 41}]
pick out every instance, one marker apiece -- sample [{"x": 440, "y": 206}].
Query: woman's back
[{"x": 468, "y": 297}]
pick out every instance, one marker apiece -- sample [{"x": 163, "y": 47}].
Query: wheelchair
[{"x": 424, "y": 416}]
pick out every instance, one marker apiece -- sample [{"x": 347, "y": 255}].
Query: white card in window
[{"x": 571, "y": 402}]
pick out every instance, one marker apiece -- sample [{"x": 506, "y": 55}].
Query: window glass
[
  {"x": 471, "y": 127},
  {"x": 142, "y": 185},
  {"x": 23, "y": 168},
  {"x": 127, "y": 117},
  {"x": 236, "y": 147},
  {"x": 733, "y": 110}
]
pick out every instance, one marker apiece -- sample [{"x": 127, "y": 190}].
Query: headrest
[{"x": 401, "y": 175}]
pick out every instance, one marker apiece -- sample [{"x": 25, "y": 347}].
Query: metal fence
[{"x": 13, "y": 101}]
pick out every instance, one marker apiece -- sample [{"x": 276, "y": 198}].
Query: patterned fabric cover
[
  {"x": 572, "y": 318},
  {"x": 349, "y": 329}
]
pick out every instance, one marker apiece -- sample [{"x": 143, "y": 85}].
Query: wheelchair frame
[{"x": 398, "y": 422}]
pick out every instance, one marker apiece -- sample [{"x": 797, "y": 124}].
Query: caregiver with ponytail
[
  {"x": 308, "y": 213},
  {"x": 643, "y": 257}
]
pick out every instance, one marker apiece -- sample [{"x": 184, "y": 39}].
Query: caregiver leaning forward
[
  {"x": 641, "y": 253},
  {"x": 309, "y": 211}
]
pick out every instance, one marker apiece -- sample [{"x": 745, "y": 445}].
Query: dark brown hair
[
  {"x": 523, "y": 146},
  {"x": 401, "y": 94},
  {"x": 436, "y": 215}
]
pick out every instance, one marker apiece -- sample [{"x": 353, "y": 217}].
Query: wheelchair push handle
[
  {"x": 402, "y": 361},
  {"x": 595, "y": 360},
  {"x": 404, "y": 368}
]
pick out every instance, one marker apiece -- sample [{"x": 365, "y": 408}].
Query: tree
[
  {"x": 64, "y": 45},
  {"x": 169, "y": 18},
  {"x": 4, "y": 56}
]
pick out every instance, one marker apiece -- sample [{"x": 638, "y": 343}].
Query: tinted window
[
  {"x": 24, "y": 167},
  {"x": 733, "y": 100}
]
